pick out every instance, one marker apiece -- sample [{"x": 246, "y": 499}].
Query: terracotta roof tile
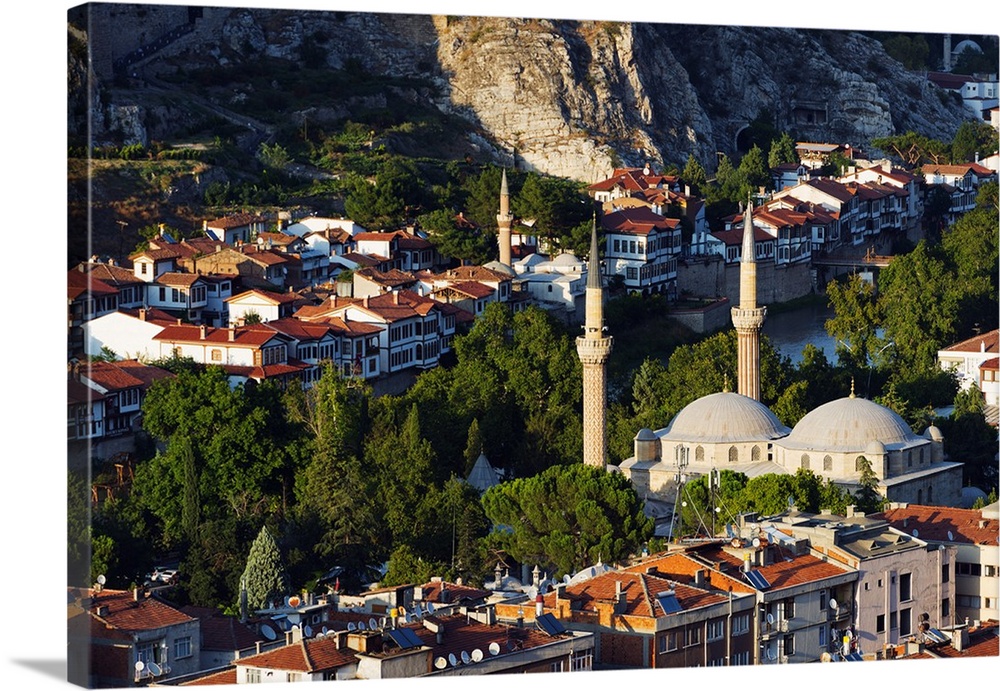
[
  {"x": 432, "y": 592},
  {"x": 800, "y": 569},
  {"x": 235, "y": 221},
  {"x": 935, "y": 522},
  {"x": 308, "y": 655},
  {"x": 990, "y": 339},
  {"x": 220, "y": 631},
  {"x": 226, "y": 676},
  {"x": 124, "y": 612}
]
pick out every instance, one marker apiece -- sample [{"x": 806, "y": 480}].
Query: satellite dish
[
  {"x": 770, "y": 619},
  {"x": 268, "y": 632},
  {"x": 372, "y": 624},
  {"x": 351, "y": 626},
  {"x": 139, "y": 665},
  {"x": 440, "y": 663},
  {"x": 755, "y": 542},
  {"x": 833, "y": 604},
  {"x": 477, "y": 655},
  {"x": 383, "y": 622},
  {"x": 915, "y": 532},
  {"x": 566, "y": 578},
  {"x": 770, "y": 655},
  {"x": 361, "y": 626},
  {"x": 925, "y": 617},
  {"x": 826, "y": 657},
  {"x": 325, "y": 630},
  {"x": 293, "y": 627},
  {"x": 452, "y": 660},
  {"x": 736, "y": 542},
  {"x": 951, "y": 538},
  {"x": 102, "y": 579},
  {"x": 465, "y": 658},
  {"x": 494, "y": 648},
  {"x": 307, "y": 631},
  {"x": 154, "y": 669},
  {"x": 430, "y": 608},
  {"x": 320, "y": 635}
]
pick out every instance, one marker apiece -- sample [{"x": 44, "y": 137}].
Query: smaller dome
[
  {"x": 645, "y": 434},
  {"x": 499, "y": 268},
  {"x": 970, "y": 495},
  {"x": 933, "y": 433},
  {"x": 875, "y": 448}
]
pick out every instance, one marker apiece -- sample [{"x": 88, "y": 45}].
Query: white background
[{"x": 33, "y": 228}]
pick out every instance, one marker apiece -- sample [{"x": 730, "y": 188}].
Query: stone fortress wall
[{"x": 709, "y": 276}]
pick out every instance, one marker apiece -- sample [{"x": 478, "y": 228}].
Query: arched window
[
  {"x": 859, "y": 463},
  {"x": 699, "y": 454},
  {"x": 805, "y": 461},
  {"x": 734, "y": 455},
  {"x": 920, "y": 458},
  {"x": 828, "y": 462},
  {"x": 755, "y": 453},
  {"x": 420, "y": 352},
  {"x": 930, "y": 494},
  {"x": 920, "y": 496}
]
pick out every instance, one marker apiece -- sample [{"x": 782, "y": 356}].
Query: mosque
[{"x": 736, "y": 431}]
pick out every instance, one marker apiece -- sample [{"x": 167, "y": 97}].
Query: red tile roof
[
  {"x": 125, "y": 613},
  {"x": 220, "y": 631},
  {"x": 115, "y": 376},
  {"x": 243, "y": 336},
  {"x": 936, "y": 522},
  {"x": 800, "y": 569},
  {"x": 308, "y": 655},
  {"x": 177, "y": 279},
  {"x": 990, "y": 339},
  {"x": 274, "y": 298},
  {"x": 79, "y": 283},
  {"x": 112, "y": 275},
  {"x": 682, "y": 568},
  {"x": 432, "y": 592},
  {"x": 640, "y": 590},
  {"x": 235, "y": 221},
  {"x": 226, "y": 676},
  {"x": 470, "y": 288},
  {"x": 638, "y": 220},
  {"x": 461, "y": 633}
]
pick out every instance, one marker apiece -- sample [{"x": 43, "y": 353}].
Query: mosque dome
[
  {"x": 500, "y": 268},
  {"x": 933, "y": 433},
  {"x": 850, "y": 424},
  {"x": 725, "y": 417}
]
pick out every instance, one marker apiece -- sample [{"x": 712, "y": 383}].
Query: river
[{"x": 790, "y": 331}]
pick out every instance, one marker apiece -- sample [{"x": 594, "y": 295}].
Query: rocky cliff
[{"x": 576, "y": 98}]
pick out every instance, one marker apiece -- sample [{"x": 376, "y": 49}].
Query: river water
[{"x": 790, "y": 331}]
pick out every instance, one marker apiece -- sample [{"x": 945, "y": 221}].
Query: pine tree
[
  {"x": 264, "y": 576},
  {"x": 474, "y": 446}
]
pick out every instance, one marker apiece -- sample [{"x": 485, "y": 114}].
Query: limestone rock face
[{"x": 578, "y": 98}]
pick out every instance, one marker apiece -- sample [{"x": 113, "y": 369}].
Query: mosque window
[
  {"x": 755, "y": 453},
  {"x": 827, "y": 462},
  {"x": 859, "y": 463},
  {"x": 734, "y": 455},
  {"x": 699, "y": 453},
  {"x": 805, "y": 461},
  {"x": 920, "y": 496},
  {"x": 930, "y": 494}
]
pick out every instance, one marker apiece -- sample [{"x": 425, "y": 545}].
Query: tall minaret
[
  {"x": 504, "y": 220},
  {"x": 748, "y": 318},
  {"x": 593, "y": 348}
]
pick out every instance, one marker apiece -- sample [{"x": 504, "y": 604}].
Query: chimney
[
  {"x": 232, "y": 333},
  {"x": 534, "y": 575},
  {"x": 204, "y": 225},
  {"x": 136, "y": 594},
  {"x": 365, "y": 301},
  {"x": 179, "y": 322},
  {"x": 539, "y": 605},
  {"x": 700, "y": 577},
  {"x": 202, "y": 332},
  {"x": 142, "y": 314}
]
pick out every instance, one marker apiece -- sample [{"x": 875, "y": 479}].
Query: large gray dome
[
  {"x": 725, "y": 417},
  {"x": 850, "y": 424}
]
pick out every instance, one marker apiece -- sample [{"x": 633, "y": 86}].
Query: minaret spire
[
  {"x": 504, "y": 220},
  {"x": 594, "y": 347},
  {"x": 748, "y": 318}
]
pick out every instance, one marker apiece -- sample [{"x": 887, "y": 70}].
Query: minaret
[
  {"x": 504, "y": 220},
  {"x": 593, "y": 348},
  {"x": 748, "y": 318}
]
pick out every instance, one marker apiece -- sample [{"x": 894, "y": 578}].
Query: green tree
[
  {"x": 768, "y": 494},
  {"x": 568, "y": 517},
  {"x": 910, "y": 50},
  {"x": 855, "y": 322},
  {"x": 914, "y": 149},
  {"x": 473, "y": 447},
  {"x": 754, "y": 171},
  {"x": 867, "y": 498},
  {"x": 694, "y": 174},
  {"x": 782, "y": 151},
  {"x": 467, "y": 243},
  {"x": 273, "y": 157},
  {"x": 406, "y": 566},
  {"x": 920, "y": 307},
  {"x": 264, "y": 576},
  {"x": 191, "y": 507},
  {"x": 973, "y": 140}
]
